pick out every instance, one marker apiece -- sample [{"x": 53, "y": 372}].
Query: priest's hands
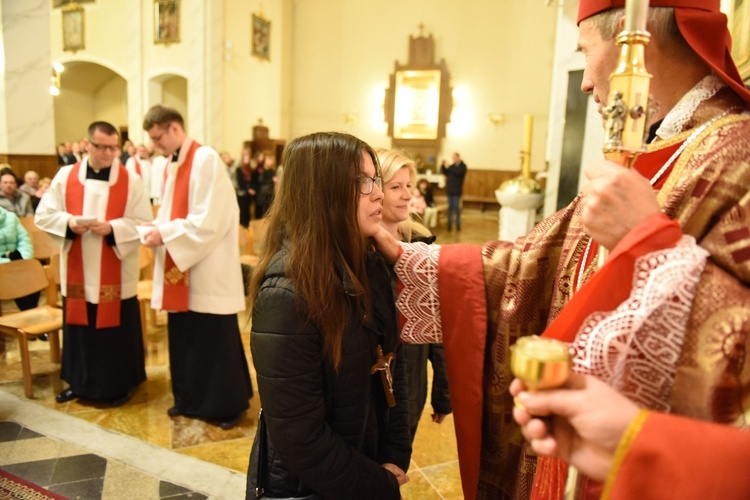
[
  {"x": 615, "y": 200},
  {"x": 75, "y": 227},
  {"x": 101, "y": 228},
  {"x": 589, "y": 419},
  {"x": 152, "y": 238},
  {"x": 387, "y": 245},
  {"x": 401, "y": 476}
]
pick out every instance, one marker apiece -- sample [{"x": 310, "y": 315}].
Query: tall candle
[
  {"x": 528, "y": 128},
  {"x": 635, "y": 15}
]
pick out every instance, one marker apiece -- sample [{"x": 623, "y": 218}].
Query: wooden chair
[
  {"x": 53, "y": 276},
  {"x": 18, "y": 279},
  {"x": 248, "y": 255},
  {"x": 28, "y": 223},
  {"x": 44, "y": 246},
  {"x": 145, "y": 287}
]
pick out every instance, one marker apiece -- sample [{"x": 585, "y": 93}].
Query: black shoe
[
  {"x": 66, "y": 395},
  {"x": 173, "y": 412},
  {"x": 230, "y": 422},
  {"x": 44, "y": 337},
  {"x": 122, "y": 399}
]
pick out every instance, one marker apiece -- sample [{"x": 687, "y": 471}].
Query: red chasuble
[
  {"x": 110, "y": 280},
  {"x": 177, "y": 283}
]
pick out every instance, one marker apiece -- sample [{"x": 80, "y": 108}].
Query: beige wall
[
  {"x": 329, "y": 58},
  {"x": 73, "y": 116},
  {"x": 499, "y": 55}
]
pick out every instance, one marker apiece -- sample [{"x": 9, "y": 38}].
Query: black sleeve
[
  {"x": 440, "y": 398},
  {"x": 288, "y": 358}
]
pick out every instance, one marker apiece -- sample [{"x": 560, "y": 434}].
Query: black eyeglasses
[
  {"x": 102, "y": 147},
  {"x": 366, "y": 184}
]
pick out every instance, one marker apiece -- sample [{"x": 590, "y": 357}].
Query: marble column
[{"x": 27, "y": 124}]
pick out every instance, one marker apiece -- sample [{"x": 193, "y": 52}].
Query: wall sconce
[
  {"x": 495, "y": 119},
  {"x": 349, "y": 117},
  {"x": 54, "y": 87}
]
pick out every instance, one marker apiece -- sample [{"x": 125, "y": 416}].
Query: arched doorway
[
  {"x": 89, "y": 92},
  {"x": 169, "y": 90}
]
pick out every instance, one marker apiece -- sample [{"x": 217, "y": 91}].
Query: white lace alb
[
  {"x": 683, "y": 111},
  {"x": 419, "y": 301},
  {"x": 635, "y": 348}
]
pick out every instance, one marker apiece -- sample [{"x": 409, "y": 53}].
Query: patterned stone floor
[{"x": 171, "y": 457}]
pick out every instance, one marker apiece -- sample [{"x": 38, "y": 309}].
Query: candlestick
[
  {"x": 635, "y": 15},
  {"x": 528, "y": 127}
]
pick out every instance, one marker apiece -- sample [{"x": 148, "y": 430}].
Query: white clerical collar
[{"x": 675, "y": 121}]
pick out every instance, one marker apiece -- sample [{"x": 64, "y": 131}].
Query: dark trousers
[{"x": 454, "y": 209}]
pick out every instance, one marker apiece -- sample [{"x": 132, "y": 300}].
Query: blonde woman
[{"x": 399, "y": 175}]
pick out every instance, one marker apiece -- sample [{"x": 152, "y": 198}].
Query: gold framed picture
[
  {"x": 166, "y": 21},
  {"x": 261, "y": 39},
  {"x": 73, "y": 28},
  {"x": 63, "y": 3},
  {"x": 417, "y": 104},
  {"x": 739, "y": 25}
]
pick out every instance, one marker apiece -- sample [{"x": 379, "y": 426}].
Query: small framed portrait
[
  {"x": 63, "y": 3},
  {"x": 73, "y": 28},
  {"x": 166, "y": 21},
  {"x": 261, "y": 39}
]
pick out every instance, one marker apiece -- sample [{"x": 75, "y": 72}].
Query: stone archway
[
  {"x": 170, "y": 90},
  {"x": 89, "y": 92}
]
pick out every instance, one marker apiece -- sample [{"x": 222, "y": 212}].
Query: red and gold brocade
[{"x": 527, "y": 284}]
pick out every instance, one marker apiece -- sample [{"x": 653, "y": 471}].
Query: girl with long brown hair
[{"x": 334, "y": 422}]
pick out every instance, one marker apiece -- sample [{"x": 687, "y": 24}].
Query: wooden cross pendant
[{"x": 383, "y": 365}]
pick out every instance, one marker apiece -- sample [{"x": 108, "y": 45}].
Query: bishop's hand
[
  {"x": 615, "y": 200},
  {"x": 589, "y": 419},
  {"x": 387, "y": 245}
]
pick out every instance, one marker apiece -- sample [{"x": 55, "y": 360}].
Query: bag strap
[{"x": 260, "y": 489}]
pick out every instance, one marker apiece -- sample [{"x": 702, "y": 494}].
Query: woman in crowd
[
  {"x": 15, "y": 244},
  {"x": 263, "y": 182},
  {"x": 399, "y": 173},
  {"x": 334, "y": 422},
  {"x": 245, "y": 193},
  {"x": 430, "y": 212}
]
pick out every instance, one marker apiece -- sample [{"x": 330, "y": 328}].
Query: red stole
[
  {"x": 657, "y": 232},
  {"x": 177, "y": 283},
  {"x": 110, "y": 279},
  {"x": 138, "y": 167}
]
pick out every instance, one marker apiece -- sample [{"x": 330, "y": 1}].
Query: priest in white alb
[
  {"x": 92, "y": 209},
  {"x": 197, "y": 276}
]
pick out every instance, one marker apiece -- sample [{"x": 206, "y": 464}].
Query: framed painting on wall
[
  {"x": 62, "y": 3},
  {"x": 166, "y": 21},
  {"x": 261, "y": 38},
  {"x": 73, "y": 28},
  {"x": 738, "y": 13}
]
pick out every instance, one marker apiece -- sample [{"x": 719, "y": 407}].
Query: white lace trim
[
  {"x": 635, "y": 348},
  {"x": 419, "y": 301},
  {"x": 675, "y": 121}
]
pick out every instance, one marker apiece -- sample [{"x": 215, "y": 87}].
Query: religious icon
[
  {"x": 261, "y": 38},
  {"x": 72, "y": 24},
  {"x": 166, "y": 21},
  {"x": 614, "y": 112}
]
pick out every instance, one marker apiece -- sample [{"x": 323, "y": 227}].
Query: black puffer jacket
[{"x": 329, "y": 432}]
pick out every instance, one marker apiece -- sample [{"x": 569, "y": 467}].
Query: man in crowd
[
  {"x": 140, "y": 164},
  {"x": 13, "y": 199},
  {"x": 454, "y": 186},
  {"x": 197, "y": 276},
  {"x": 673, "y": 340},
  {"x": 92, "y": 209},
  {"x": 30, "y": 183}
]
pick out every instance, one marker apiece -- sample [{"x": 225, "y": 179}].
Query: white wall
[{"x": 499, "y": 55}]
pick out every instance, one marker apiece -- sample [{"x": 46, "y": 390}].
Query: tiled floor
[{"x": 137, "y": 451}]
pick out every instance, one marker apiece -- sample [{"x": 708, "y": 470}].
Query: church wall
[
  {"x": 252, "y": 86},
  {"x": 499, "y": 55},
  {"x": 73, "y": 115},
  {"x": 109, "y": 105}
]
